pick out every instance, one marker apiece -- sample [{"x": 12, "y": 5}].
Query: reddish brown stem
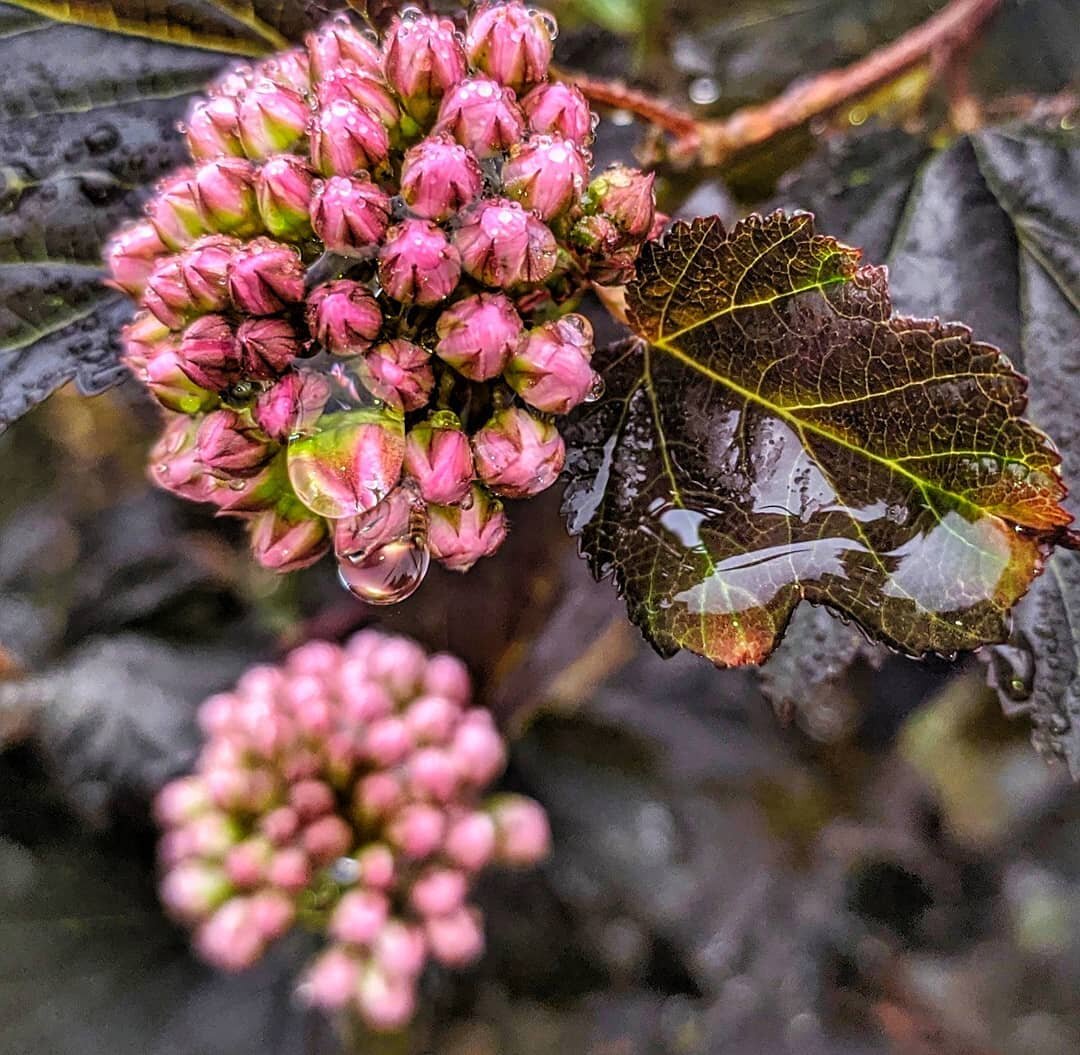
[{"x": 937, "y": 41}]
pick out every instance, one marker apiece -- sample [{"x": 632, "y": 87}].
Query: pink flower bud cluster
[
  {"x": 358, "y": 294},
  {"x": 342, "y": 791}
]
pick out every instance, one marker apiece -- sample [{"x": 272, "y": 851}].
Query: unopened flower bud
[
  {"x": 523, "y": 835},
  {"x": 289, "y": 869},
  {"x": 559, "y": 109},
  {"x": 232, "y": 83},
  {"x": 550, "y": 369},
  {"x": 131, "y": 254},
  {"x": 213, "y": 129},
  {"x": 280, "y": 825},
  {"x": 205, "y": 270},
  {"x": 225, "y": 192},
  {"x": 209, "y": 354},
  {"x": 350, "y": 215},
  {"x": 482, "y": 115},
  {"x": 433, "y": 774},
  {"x": 283, "y": 189},
  {"x": 266, "y": 276},
  {"x": 376, "y": 865},
  {"x": 511, "y": 43},
  {"x": 518, "y": 454},
  {"x": 438, "y": 891},
  {"x": 546, "y": 174},
  {"x": 431, "y": 719},
  {"x": 439, "y": 458},
  {"x": 231, "y": 446},
  {"x": 171, "y": 385},
  {"x": 418, "y": 264},
  {"x": 626, "y": 196},
  {"x": 359, "y": 916},
  {"x": 459, "y": 536},
  {"x": 457, "y": 939},
  {"x": 327, "y": 838},
  {"x": 180, "y": 801},
  {"x": 192, "y": 890},
  {"x": 229, "y": 940},
  {"x": 424, "y": 60},
  {"x": 399, "y": 373},
  {"x": 272, "y": 913},
  {"x": 268, "y": 347},
  {"x": 478, "y": 749},
  {"x": 339, "y": 42},
  {"x": 291, "y": 405},
  {"x": 385, "y": 1003},
  {"x": 346, "y": 139},
  {"x": 290, "y": 69},
  {"x": 343, "y": 317},
  {"x": 418, "y": 830},
  {"x": 502, "y": 245},
  {"x": 360, "y": 89},
  {"x": 167, "y": 296},
  {"x": 288, "y": 537},
  {"x": 470, "y": 842},
  {"x": 246, "y": 862},
  {"x": 311, "y": 799},
  {"x": 400, "y": 949},
  {"x": 272, "y": 119},
  {"x": 446, "y": 675},
  {"x": 174, "y": 211},
  {"x": 440, "y": 177}
]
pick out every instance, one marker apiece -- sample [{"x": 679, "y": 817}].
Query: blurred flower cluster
[
  {"x": 357, "y": 305},
  {"x": 342, "y": 791}
]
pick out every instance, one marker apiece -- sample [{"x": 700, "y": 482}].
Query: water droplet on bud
[
  {"x": 596, "y": 389},
  {"x": 389, "y": 575}
]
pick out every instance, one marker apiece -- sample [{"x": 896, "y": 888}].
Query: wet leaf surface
[{"x": 776, "y": 434}]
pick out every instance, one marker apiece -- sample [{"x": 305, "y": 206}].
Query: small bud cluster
[
  {"x": 354, "y": 305},
  {"x": 342, "y": 791}
]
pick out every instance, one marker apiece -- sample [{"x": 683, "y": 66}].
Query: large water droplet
[{"x": 389, "y": 574}]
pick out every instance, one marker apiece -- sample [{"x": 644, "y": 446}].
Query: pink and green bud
[
  {"x": 418, "y": 264},
  {"x": 424, "y": 60},
  {"x": 229, "y": 939},
  {"x": 209, "y": 354},
  {"x": 504, "y": 246},
  {"x": 289, "y": 869},
  {"x": 626, "y": 196},
  {"x": 351, "y": 464},
  {"x": 327, "y": 838},
  {"x": 272, "y": 913},
  {"x": 174, "y": 211},
  {"x": 438, "y": 892},
  {"x": 346, "y": 139},
  {"x": 251, "y": 495},
  {"x": 438, "y": 457},
  {"x": 517, "y": 454},
  {"x": 167, "y": 296},
  {"x": 387, "y": 742},
  {"x": 459, "y": 536},
  {"x": 523, "y": 835},
  {"x": 131, "y": 254},
  {"x": 358, "y": 537},
  {"x": 175, "y": 463},
  {"x": 339, "y": 42},
  {"x": 283, "y": 190},
  {"x": 266, "y": 277},
  {"x": 343, "y": 317},
  {"x": 213, "y": 129},
  {"x": 205, "y": 270},
  {"x": 287, "y": 537},
  {"x": 447, "y": 676},
  {"x": 192, "y": 890},
  {"x": 561, "y": 110},
  {"x": 272, "y": 119},
  {"x": 292, "y": 405},
  {"x": 349, "y": 84},
  {"x": 332, "y": 981},
  {"x": 417, "y": 830},
  {"x": 350, "y": 215},
  {"x": 400, "y": 950},
  {"x": 358, "y": 917},
  {"x": 246, "y": 862},
  {"x": 225, "y": 192},
  {"x": 376, "y": 866},
  {"x": 385, "y": 1004},
  {"x": 457, "y": 939},
  {"x": 546, "y": 174},
  {"x": 478, "y": 749},
  {"x": 511, "y": 43},
  {"x": 399, "y": 373},
  {"x": 433, "y": 774},
  {"x": 439, "y": 177},
  {"x": 232, "y": 83},
  {"x": 470, "y": 842},
  {"x": 268, "y": 347},
  {"x": 482, "y": 115},
  {"x": 180, "y": 801},
  {"x": 231, "y": 446},
  {"x": 596, "y": 234},
  {"x": 550, "y": 369},
  {"x": 431, "y": 719},
  {"x": 290, "y": 69},
  {"x": 311, "y": 799},
  {"x": 169, "y": 382}
]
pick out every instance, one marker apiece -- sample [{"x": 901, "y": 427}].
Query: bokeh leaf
[{"x": 774, "y": 434}]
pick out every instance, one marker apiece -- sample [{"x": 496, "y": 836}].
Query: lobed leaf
[{"x": 774, "y": 433}]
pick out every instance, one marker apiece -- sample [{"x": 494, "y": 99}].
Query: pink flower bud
[
  {"x": 424, "y": 60},
  {"x": 213, "y": 129},
  {"x": 209, "y": 354},
  {"x": 438, "y": 891},
  {"x": 439, "y": 458},
  {"x": 399, "y": 664},
  {"x": 478, "y": 335},
  {"x": 227, "y": 786},
  {"x": 350, "y": 215},
  {"x": 339, "y": 42},
  {"x": 479, "y": 752},
  {"x": 283, "y": 190},
  {"x": 289, "y": 869},
  {"x": 346, "y": 139},
  {"x": 446, "y": 675},
  {"x": 253, "y": 494},
  {"x": 343, "y": 317},
  {"x": 503, "y": 245},
  {"x": 360, "y": 89},
  {"x": 387, "y": 742},
  {"x": 321, "y": 658},
  {"x": 418, "y": 264},
  {"x": 332, "y": 980},
  {"x": 268, "y": 347},
  {"x": 291, "y": 405},
  {"x": 546, "y": 174},
  {"x": 180, "y": 800},
  {"x": 470, "y": 842},
  {"x": 230, "y": 445},
  {"x": 511, "y": 43},
  {"x": 376, "y": 796},
  {"x": 272, "y": 913},
  {"x": 391, "y": 527},
  {"x": 246, "y": 862},
  {"x": 232, "y": 83},
  {"x": 400, "y": 950},
  {"x": 376, "y": 863},
  {"x": 559, "y": 109},
  {"x": 459, "y": 536},
  {"x": 626, "y": 196},
  {"x": 174, "y": 211},
  {"x": 130, "y": 256},
  {"x": 311, "y": 799},
  {"x": 175, "y": 461},
  {"x": 522, "y": 830},
  {"x": 327, "y": 838},
  {"x": 432, "y": 774},
  {"x": 225, "y": 192},
  {"x": 280, "y": 825},
  {"x": 517, "y": 454},
  {"x": 597, "y": 234},
  {"x": 399, "y": 373},
  {"x": 417, "y": 830},
  {"x": 167, "y": 296},
  {"x": 272, "y": 119},
  {"x": 439, "y": 177},
  {"x": 363, "y": 701},
  {"x": 482, "y": 115},
  {"x": 266, "y": 277},
  {"x": 550, "y": 369},
  {"x": 359, "y": 916},
  {"x": 229, "y": 939},
  {"x": 431, "y": 719},
  {"x": 457, "y": 939},
  {"x": 290, "y": 69},
  {"x": 385, "y": 1004},
  {"x": 192, "y": 890},
  {"x": 205, "y": 267},
  {"x": 287, "y": 537}
]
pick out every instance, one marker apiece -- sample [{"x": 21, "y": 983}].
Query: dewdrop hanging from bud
[
  {"x": 356, "y": 303},
  {"x": 344, "y": 792}
]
